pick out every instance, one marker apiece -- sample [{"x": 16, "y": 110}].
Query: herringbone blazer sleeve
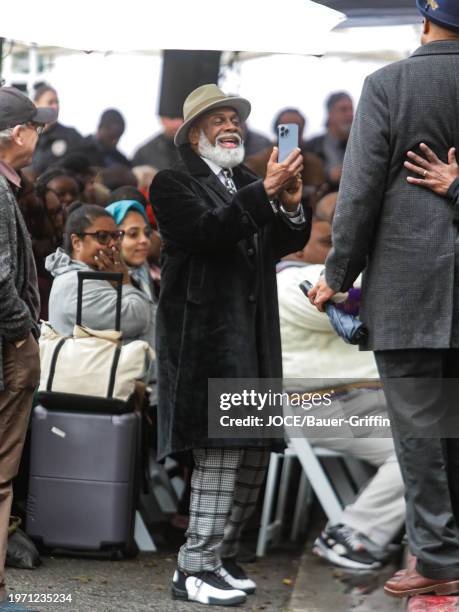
[{"x": 362, "y": 188}]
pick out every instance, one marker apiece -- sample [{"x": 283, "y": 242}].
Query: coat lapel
[
  {"x": 204, "y": 175},
  {"x": 217, "y": 188}
]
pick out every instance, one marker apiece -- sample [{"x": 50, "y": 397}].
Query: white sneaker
[
  {"x": 206, "y": 588},
  {"x": 235, "y": 576}
]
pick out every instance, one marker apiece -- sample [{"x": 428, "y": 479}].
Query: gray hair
[{"x": 5, "y": 136}]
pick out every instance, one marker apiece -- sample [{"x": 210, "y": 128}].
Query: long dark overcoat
[{"x": 217, "y": 314}]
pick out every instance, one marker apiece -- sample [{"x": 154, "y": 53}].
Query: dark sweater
[
  {"x": 53, "y": 145},
  {"x": 19, "y": 298},
  {"x": 99, "y": 157}
]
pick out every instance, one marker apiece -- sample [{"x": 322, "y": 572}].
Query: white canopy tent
[{"x": 296, "y": 26}]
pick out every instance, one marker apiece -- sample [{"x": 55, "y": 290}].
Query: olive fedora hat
[{"x": 202, "y": 100}]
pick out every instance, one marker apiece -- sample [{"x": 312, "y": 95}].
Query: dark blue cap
[
  {"x": 444, "y": 13},
  {"x": 16, "y": 109}
]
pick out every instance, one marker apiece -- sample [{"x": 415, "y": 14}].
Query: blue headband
[{"x": 120, "y": 209}]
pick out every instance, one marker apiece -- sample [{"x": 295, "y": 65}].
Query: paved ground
[
  {"x": 321, "y": 588},
  {"x": 288, "y": 581},
  {"x": 143, "y": 584},
  {"x": 289, "y": 578}
]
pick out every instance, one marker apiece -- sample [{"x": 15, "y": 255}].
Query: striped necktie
[{"x": 229, "y": 183}]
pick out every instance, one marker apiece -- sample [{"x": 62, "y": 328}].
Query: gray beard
[{"x": 225, "y": 158}]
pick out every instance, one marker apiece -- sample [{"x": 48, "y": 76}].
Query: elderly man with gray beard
[{"x": 223, "y": 231}]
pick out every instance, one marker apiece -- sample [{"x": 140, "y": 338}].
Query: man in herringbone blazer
[{"x": 405, "y": 240}]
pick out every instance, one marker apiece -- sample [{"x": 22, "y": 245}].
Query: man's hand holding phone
[
  {"x": 284, "y": 176},
  {"x": 291, "y": 196}
]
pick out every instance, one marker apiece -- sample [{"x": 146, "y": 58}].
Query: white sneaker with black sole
[
  {"x": 206, "y": 588},
  {"x": 342, "y": 546},
  {"x": 235, "y": 576}
]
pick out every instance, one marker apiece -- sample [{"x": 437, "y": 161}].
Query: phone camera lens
[{"x": 286, "y": 131}]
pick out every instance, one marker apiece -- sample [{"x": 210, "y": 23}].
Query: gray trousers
[
  {"x": 225, "y": 484},
  {"x": 429, "y": 465}
]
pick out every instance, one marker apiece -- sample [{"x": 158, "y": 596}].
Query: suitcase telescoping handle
[{"x": 108, "y": 276}]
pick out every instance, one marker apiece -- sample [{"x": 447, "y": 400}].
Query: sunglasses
[{"x": 104, "y": 237}]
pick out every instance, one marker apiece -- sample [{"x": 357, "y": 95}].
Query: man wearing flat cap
[
  {"x": 223, "y": 231},
  {"x": 21, "y": 122},
  {"x": 406, "y": 239}
]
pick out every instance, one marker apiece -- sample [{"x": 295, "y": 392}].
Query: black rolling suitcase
[{"x": 82, "y": 486}]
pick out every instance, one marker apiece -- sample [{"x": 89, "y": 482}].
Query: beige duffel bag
[{"x": 91, "y": 364}]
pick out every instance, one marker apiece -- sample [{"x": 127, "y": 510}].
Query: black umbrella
[{"x": 346, "y": 325}]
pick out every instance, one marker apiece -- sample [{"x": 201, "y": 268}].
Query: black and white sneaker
[
  {"x": 206, "y": 588},
  {"x": 343, "y": 546},
  {"x": 234, "y": 575}
]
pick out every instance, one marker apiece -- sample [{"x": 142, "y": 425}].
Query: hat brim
[
  {"x": 45, "y": 114},
  {"x": 437, "y": 17},
  {"x": 240, "y": 105}
]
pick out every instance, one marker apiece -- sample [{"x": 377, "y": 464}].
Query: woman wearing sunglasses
[{"x": 93, "y": 242}]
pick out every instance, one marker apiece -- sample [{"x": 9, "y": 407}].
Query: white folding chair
[
  {"x": 271, "y": 530},
  {"x": 334, "y": 487}
]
